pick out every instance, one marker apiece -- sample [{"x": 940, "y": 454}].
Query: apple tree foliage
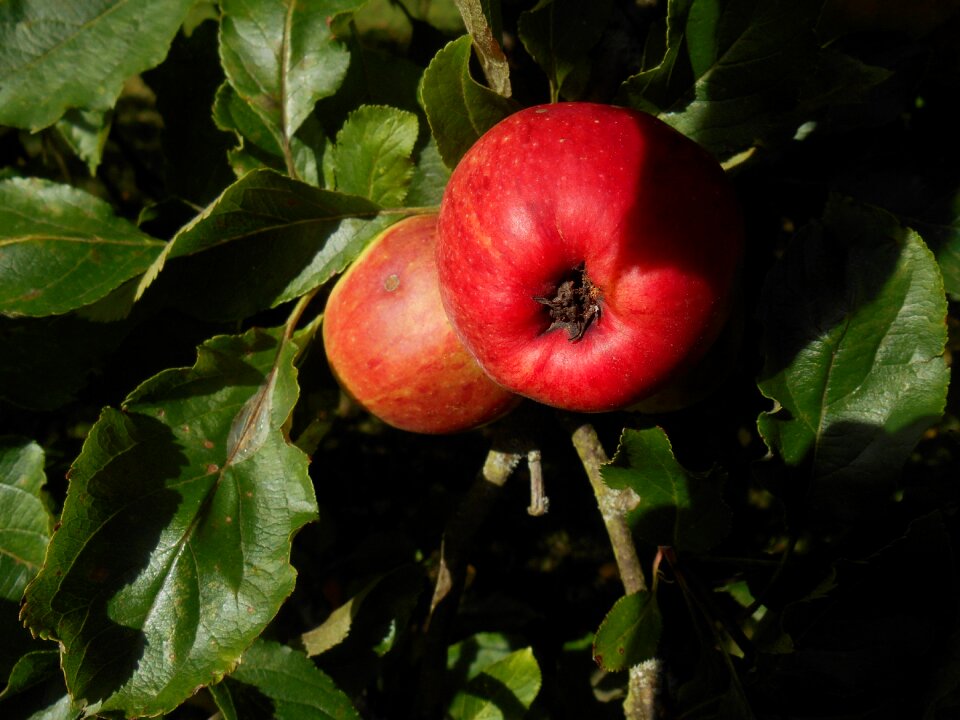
[{"x": 192, "y": 519}]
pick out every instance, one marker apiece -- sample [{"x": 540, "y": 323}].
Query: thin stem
[
  {"x": 614, "y": 505},
  {"x": 539, "y": 502},
  {"x": 644, "y": 679}
]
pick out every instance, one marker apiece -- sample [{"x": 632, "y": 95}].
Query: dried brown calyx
[{"x": 575, "y": 305}]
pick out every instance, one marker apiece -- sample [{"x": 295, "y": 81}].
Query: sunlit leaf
[
  {"x": 372, "y": 155},
  {"x": 56, "y": 55},
  {"x": 61, "y": 248},
  {"x": 281, "y": 57},
  {"x": 173, "y": 553},
  {"x": 459, "y": 109},
  {"x": 85, "y": 131},
  {"x": 276, "y": 681},
  {"x": 503, "y": 690},
  {"x": 854, "y": 338},
  {"x": 675, "y": 507},
  {"x": 25, "y": 526},
  {"x": 630, "y": 632}
]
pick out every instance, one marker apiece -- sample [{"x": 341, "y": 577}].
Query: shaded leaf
[
  {"x": 503, "y": 690},
  {"x": 559, "y": 35},
  {"x": 854, "y": 338},
  {"x": 281, "y": 57},
  {"x": 630, "y": 632},
  {"x": 675, "y": 507},
  {"x": 372, "y": 154},
  {"x": 44, "y": 362},
  {"x": 429, "y": 179},
  {"x": 276, "y": 681},
  {"x": 61, "y": 248},
  {"x": 740, "y": 73},
  {"x": 458, "y": 108},
  {"x": 232, "y": 114},
  {"x": 370, "y": 619},
  {"x": 869, "y": 647},
  {"x": 55, "y": 56},
  {"x": 173, "y": 553},
  {"x": 274, "y": 237}
]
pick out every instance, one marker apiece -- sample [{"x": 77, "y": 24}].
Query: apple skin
[
  {"x": 391, "y": 347},
  {"x": 650, "y": 215}
]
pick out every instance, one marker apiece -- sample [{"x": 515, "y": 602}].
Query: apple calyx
[{"x": 575, "y": 304}]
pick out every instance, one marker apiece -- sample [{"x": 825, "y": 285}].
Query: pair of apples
[{"x": 583, "y": 257}]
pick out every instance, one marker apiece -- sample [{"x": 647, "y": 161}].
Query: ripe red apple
[
  {"x": 587, "y": 253},
  {"x": 390, "y": 345}
]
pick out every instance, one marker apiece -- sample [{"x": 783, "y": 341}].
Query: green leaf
[
  {"x": 61, "y": 248},
  {"x": 458, "y": 108},
  {"x": 737, "y": 73},
  {"x": 56, "y": 55},
  {"x": 854, "y": 334},
  {"x": 281, "y": 57},
  {"x": 85, "y": 131},
  {"x": 630, "y": 632},
  {"x": 503, "y": 690},
  {"x": 482, "y": 20},
  {"x": 372, "y": 154},
  {"x": 559, "y": 34},
  {"x": 675, "y": 507},
  {"x": 25, "y": 527},
  {"x": 369, "y": 620},
  {"x": 173, "y": 550},
  {"x": 276, "y": 681},
  {"x": 468, "y": 658},
  {"x": 274, "y": 237},
  {"x": 232, "y": 114},
  {"x": 429, "y": 179}
]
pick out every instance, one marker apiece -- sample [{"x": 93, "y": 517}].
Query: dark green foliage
[{"x": 180, "y": 183}]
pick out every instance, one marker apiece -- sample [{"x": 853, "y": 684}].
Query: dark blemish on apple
[
  {"x": 391, "y": 283},
  {"x": 575, "y": 304}
]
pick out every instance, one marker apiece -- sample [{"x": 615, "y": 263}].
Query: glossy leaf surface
[
  {"x": 276, "y": 681},
  {"x": 61, "y": 248},
  {"x": 629, "y": 633},
  {"x": 173, "y": 552},
  {"x": 854, "y": 334},
  {"x": 503, "y": 689}
]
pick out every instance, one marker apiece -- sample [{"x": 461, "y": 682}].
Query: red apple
[
  {"x": 391, "y": 347},
  {"x": 587, "y": 253}
]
